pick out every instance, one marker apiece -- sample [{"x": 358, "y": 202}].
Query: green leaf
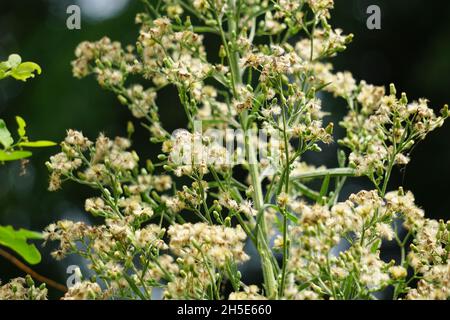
[
  {"x": 15, "y": 155},
  {"x": 37, "y": 144},
  {"x": 17, "y": 241},
  {"x": 25, "y": 70},
  {"x": 21, "y": 126},
  {"x": 5, "y": 136},
  {"x": 324, "y": 189},
  {"x": 375, "y": 246},
  {"x": 291, "y": 217}
]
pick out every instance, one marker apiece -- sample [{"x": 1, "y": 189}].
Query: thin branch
[
  {"x": 19, "y": 264},
  {"x": 337, "y": 172}
]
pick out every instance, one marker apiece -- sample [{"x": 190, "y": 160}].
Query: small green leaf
[
  {"x": 26, "y": 70},
  {"x": 375, "y": 246},
  {"x": 17, "y": 241},
  {"x": 5, "y": 136},
  {"x": 291, "y": 217},
  {"x": 37, "y": 144},
  {"x": 15, "y": 155},
  {"x": 325, "y": 184},
  {"x": 342, "y": 158},
  {"x": 21, "y": 126}
]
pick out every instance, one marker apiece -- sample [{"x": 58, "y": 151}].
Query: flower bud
[
  {"x": 150, "y": 167},
  {"x": 392, "y": 89},
  {"x": 404, "y": 99},
  {"x": 29, "y": 280},
  {"x": 122, "y": 99},
  {"x": 130, "y": 128},
  {"x": 216, "y": 215},
  {"x": 222, "y": 52},
  {"x": 444, "y": 111}
]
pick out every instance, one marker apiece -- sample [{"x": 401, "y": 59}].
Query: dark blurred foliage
[{"x": 412, "y": 50}]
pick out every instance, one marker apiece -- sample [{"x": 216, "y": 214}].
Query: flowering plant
[{"x": 179, "y": 223}]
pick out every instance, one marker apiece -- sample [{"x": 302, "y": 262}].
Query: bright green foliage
[
  {"x": 37, "y": 144},
  {"x": 21, "y": 126},
  {"x": 14, "y": 155},
  {"x": 14, "y": 67},
  {"x": 17, "y": 241},
  {"x": 13, "y": 150},
  {"x": 5, "y": 136}
]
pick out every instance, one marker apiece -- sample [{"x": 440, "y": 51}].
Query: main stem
[
  {"x": 262, "y": 247},
  {"x": 268, "y": 271},
  {"x": 285, "y": 222}
]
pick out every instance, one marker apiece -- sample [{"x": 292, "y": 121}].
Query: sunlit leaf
[
  {"x": 14, "y": 155},
  {"x": 17, "y": 241},
  {"x": 324, "y": 189},
  {"x": 21, "y": 126},
  {"x": 375, "y": 246},
  {"x": 37, "y": 144},
  {"x": 25, "y": 70},
  {"x": 291, "y": 217},
  {"x": 5, "y": 136}
]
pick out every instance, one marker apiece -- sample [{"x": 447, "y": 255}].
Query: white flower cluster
[
  {"x": 22, "y": 289},
  {"x": 194, "y": 242},
  {"x": 361, "y": 222},
  {"x": 430, "y": 257},
  {"x": 190, "y": 153},
  {"x": 384, "y": 129}
]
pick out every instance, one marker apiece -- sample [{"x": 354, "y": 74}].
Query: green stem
[
  {"x": 337, "y": 172},
  {"x": 151, "y": 8},
  {"x": 268, "y": 271},
  {"x": 233, "y": 58},
  {"x": 387, "y": 177},
  {"x": 197, "y": 29},
  {"x": 285, "y": 222},
  {"x": 234, "y": 69}
]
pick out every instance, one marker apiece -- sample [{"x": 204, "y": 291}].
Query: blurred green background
[{"x": 412, "y": 50}]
